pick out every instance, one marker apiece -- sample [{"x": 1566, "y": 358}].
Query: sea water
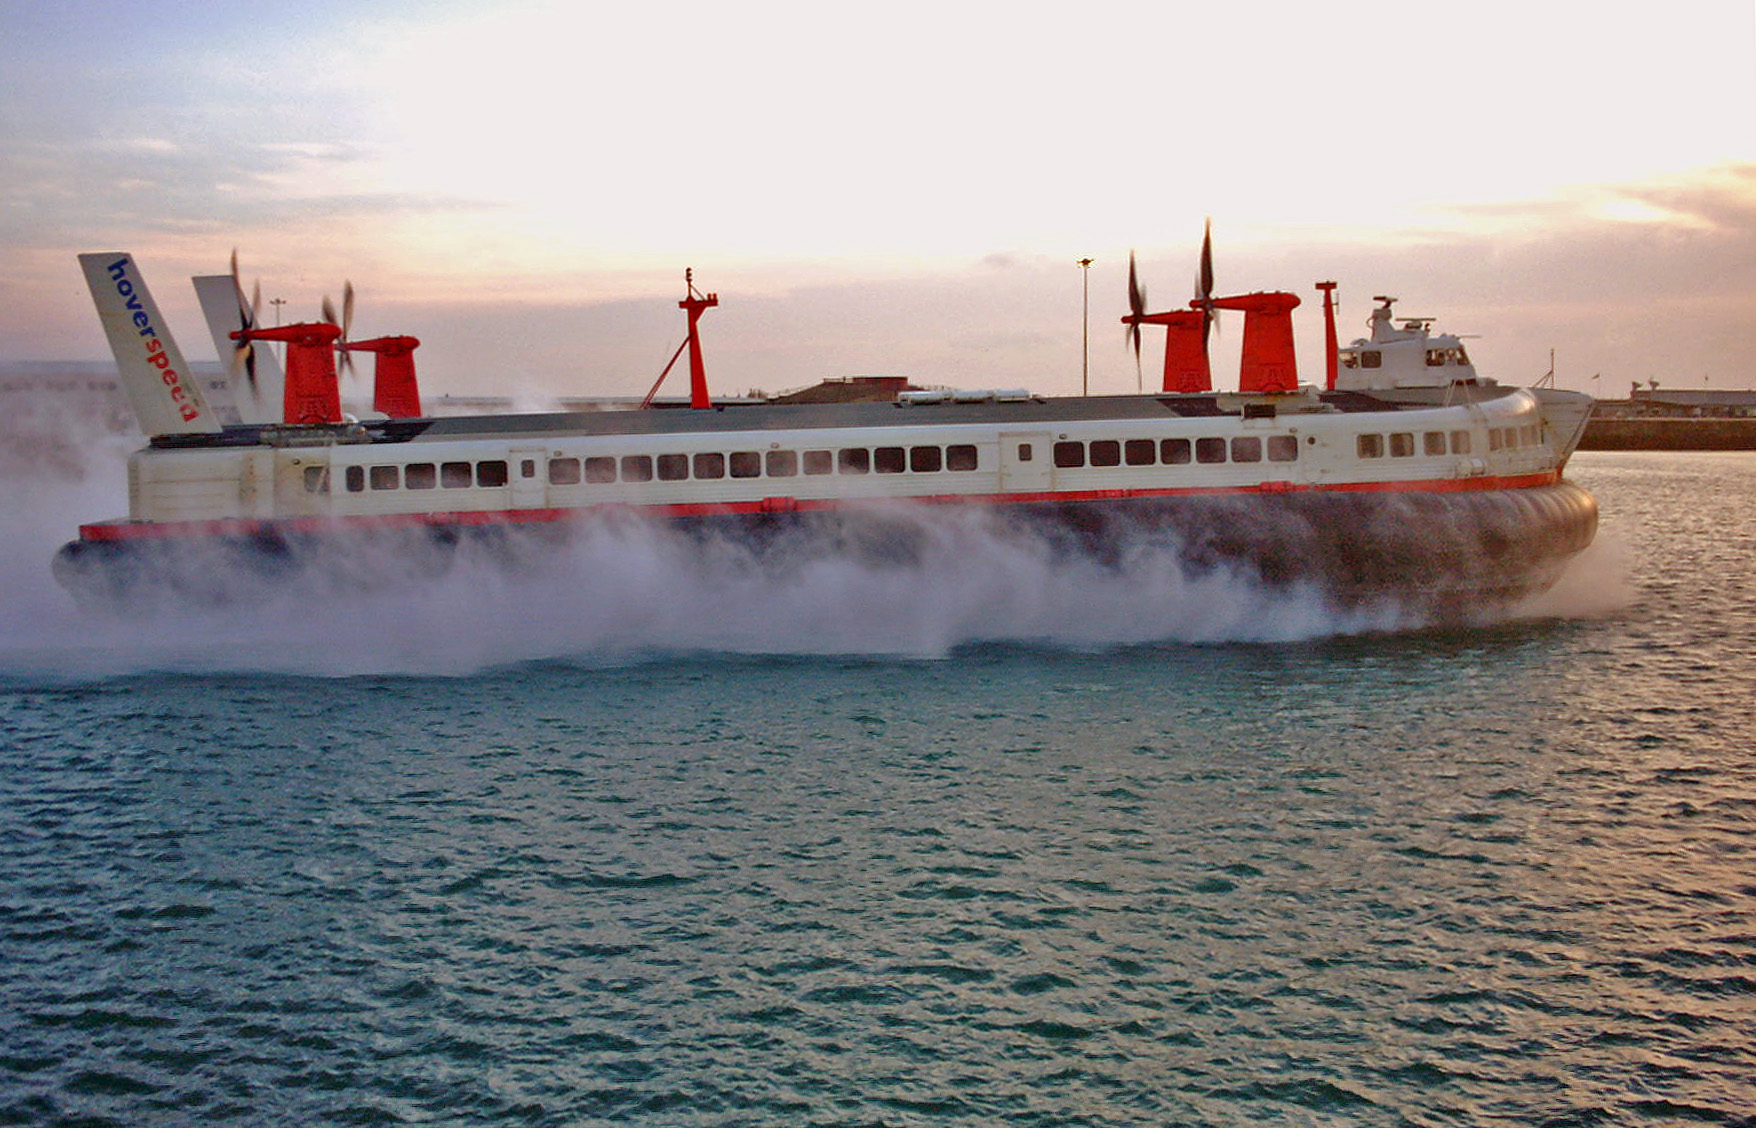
[{"x": 985, "y": 841}]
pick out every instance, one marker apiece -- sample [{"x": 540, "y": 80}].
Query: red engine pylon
[
  {"x": 1268, "y": 363},
  {"x": 312, "y": 394},
  {"x": 1186, "y": 368},
  {"x": 394, "y": 389}
]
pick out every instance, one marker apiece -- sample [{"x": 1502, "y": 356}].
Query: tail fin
[
  {"x": 259, "y": 397},
  {"x": 166, "y": 398}
]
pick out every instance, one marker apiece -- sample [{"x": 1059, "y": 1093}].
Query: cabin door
[
  {"x": 529, "y": 477},
  {"x": 1026, "y": 461}
]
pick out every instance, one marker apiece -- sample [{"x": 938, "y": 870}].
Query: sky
[{"x": 900, "y": 189}]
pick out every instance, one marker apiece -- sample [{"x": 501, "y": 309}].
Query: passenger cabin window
[
  {"x": 1106, "y": 452},
  {"x": 356, "y": 478},
  {"x": 1283, "y": 448},
  {"x": 1247, "y": 448},
  {"x": 599, "y": 469},
  {"x": 1433, "y": 443},
  {"x": 455, "y": 475},
  {"x": 960, "y": 457},
  {"x": 1460, "y": 442},
  {"x": 819, "y": 462},
  {"x": 1402, "y": 445},
  {"x": 710, "y": 465},
  {"x": 385, "y": 477},
  {"x": 491, "y": 474},
  {"x": 1069, "y": 456},
  {"x": 746, "y": 464},
  {"x": 783, "y": 463},
  {"x": 888, "y": 460},
  {"x": 1370, "y": 446},
  {"x": 564, "y": 471},
  {"x": 1210, "y": 450},
  {"x": 925, "y": 459},
  {"x": 1139, "y": 452},
  {"x": 317, "y": 479},
  {"x": 671, "y": 467},
  {"x": 1174, "y": 452},
  {"x": 853, "y": 460},
  {"x": 420, "y": 476},
  {"x": 637, "y": 468}
]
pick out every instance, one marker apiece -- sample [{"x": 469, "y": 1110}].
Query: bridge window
[
  {"x": 1369, "y": 446},
  {"x": 491, "y": 473},
  {"x": 563, "y": 471},
  {"x": 385, "y": 477},
  {"x": 1210, "y": 450},
  {"x": 1371, "y": 358},
  {"x": 1283, "y": 448},
  {"x": 960, "y": 457},
  {"x": 672, "y": 467},
  {"x": 420, "y": 476},
  {"x": 783, "y": 463}
]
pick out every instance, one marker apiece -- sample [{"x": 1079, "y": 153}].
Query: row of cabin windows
[
  {"x": 427, "y": 475},
  {"x": 1172, "y": 452},
  {"x": 712, "y": 465},
  {"x": 1373, "y": 358},
  {"x": 1434, "y": 443},
  {"x": 664, "y": 467}
]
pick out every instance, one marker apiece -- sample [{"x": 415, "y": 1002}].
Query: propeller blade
[
  {"x": 244, "y": 356},
  {"x": 1205, "y": 282},
  {"x": 1136, "y": 307}
]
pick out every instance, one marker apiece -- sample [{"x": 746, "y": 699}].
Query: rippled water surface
[{"x": 1337, "y": 877}]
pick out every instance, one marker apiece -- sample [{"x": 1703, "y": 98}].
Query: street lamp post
[{"x": 1085, "y": 328}]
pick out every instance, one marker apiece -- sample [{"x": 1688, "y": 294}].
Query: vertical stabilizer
[
  {"x": 166, "y": 398},
  {"x": 258, "y": 388}
]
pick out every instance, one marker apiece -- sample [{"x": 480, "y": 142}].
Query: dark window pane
[
  {"x": 491, "y": 473},
  {"x": 1247, "y": 448},
  {"x": 1402, "y": 445},
  {"x": 888, "y": 460},
  {"x": 637, "y": 467},
  {"x": 1140, "y": 452},
  {"x": 818, "y": 462},
  {"x": 384, "y": 477},
  {"x": 746, "y": 464},
  {"x": 672, "y": 467},
  {"x": 563, "y": 471},
  {"x": 456, "y": 475},
  {"x": 1210, "y": 450},
  {"x": 356, "y": 476},
  {"x": 1069, "y": 455},
  {"x": 710, "y": 465},
  {"x": 853, "y": 460},
  {"x": 1433, "y": 443},
  {"x": 1283, "y": 448},
  {"x": 600, "y": 468},
  {"x": 783, "y": 463},
  {"x": 1106, "y": 452},
  {"x": 960, "y": 457},
  {"x": 420, "y": 476},
  {"x": 925, "y": 460},
  {"x": 1174, "y": 452}
]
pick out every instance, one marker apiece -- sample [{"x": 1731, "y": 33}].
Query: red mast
[
  {"x": 1330, "y": 348},
  {"x": 695, "y": 305}
]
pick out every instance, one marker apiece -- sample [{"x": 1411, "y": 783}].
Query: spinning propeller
[
  {"x": 244, "y": 354},
  {"x": 346, "y": 323}
]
